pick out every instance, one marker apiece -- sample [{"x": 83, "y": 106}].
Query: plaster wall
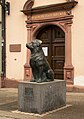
[
  {"x": 16, "y": 33},
  {"x": 46, "y": 2},
  {"x": 78, "y": 43}
]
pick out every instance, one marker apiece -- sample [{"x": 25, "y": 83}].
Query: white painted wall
[
  {"x": 78, "y": 43},
  {"x": 46, "y": 2},
  {"x": 16, "y": 33}
]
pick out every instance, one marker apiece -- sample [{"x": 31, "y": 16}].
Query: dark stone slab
[{"x": 41, "y": 97}]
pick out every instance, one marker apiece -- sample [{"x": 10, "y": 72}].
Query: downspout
[
  {"x": 0, "y": 43},
  {"x": 3, "y": 75},
  {"x": 5, "y": 8}
]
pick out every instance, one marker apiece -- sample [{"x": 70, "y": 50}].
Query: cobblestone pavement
[{"x": 9, "y": 107}]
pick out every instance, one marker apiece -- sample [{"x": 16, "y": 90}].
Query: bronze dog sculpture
[{"x": 40, "y": 67}]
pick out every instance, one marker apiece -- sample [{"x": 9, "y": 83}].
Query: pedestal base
[{"x": 41, "y": 97}]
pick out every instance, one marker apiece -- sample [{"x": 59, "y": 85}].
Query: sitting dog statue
[{"x": 40, "y": 67}]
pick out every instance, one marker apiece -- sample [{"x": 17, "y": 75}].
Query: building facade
[
  {"x": 57, "y": 24},
  {"x": 0, "y": 44}
]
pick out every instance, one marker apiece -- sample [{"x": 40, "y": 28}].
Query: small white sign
[{"x": 45, "y": 50}]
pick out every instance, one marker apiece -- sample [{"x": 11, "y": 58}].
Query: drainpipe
[
  {"x": 0, "y": 43},
  {"x": 3, "y": 44},
  {"x": 5, "y": 9},
  {"x": 3, "y": 75}
]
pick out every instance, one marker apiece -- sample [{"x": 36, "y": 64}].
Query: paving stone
[{"x": 9, "y": 107}]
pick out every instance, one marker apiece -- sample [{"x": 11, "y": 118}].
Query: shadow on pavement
[{"x": 9, "y": 106}]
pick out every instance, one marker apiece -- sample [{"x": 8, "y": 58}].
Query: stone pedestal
[{"x": 41, "y": 97}]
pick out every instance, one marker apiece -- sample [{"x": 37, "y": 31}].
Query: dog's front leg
[
  {"x": 41, "y": 74},
  {"x": 35, "y": 74}
]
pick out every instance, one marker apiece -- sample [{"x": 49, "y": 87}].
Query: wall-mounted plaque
[
  {"x": 29, "y": 92},
  {"x": 15, "y": 47}
]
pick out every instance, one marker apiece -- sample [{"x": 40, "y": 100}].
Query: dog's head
[{"x": 35, "y": 44}]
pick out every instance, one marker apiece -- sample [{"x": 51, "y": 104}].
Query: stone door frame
[{"x": 59, "y": 15}]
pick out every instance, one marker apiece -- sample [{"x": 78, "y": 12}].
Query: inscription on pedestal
[{"x": 29, "y": 92}]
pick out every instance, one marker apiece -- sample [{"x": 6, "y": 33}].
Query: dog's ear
[{"x": 39, "y": 42}]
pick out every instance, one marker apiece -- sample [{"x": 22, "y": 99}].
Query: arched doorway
[
  {"x": 53, "y": 44},
  {"x": 59, "y": 46}
]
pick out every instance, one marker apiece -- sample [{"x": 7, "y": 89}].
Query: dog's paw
[{"x": 39, "y": 81}]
